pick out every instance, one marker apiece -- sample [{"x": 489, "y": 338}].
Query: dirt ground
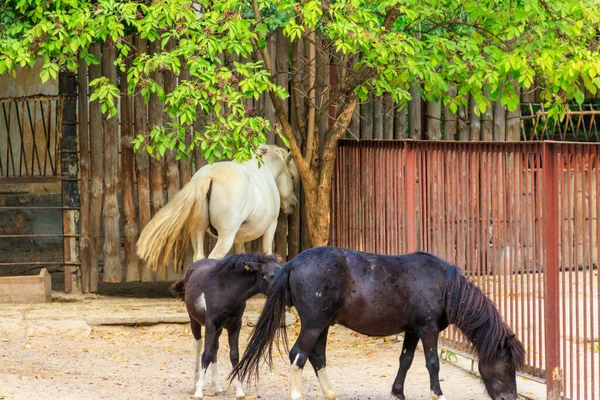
[{"x": 156, "y": 362}]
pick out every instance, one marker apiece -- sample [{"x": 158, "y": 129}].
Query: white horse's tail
[{"x": 159, "y": 240}]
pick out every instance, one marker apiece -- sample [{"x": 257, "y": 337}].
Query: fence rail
[{"x": 519, "y": 218}]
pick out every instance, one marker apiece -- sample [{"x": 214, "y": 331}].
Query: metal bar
[
  {"x": 34, "y": 150},
  {"x": 551, "y": 309},
  {"x": 37, "y": 208},
  {"x": 29, "y": 98},
  {"x": 22, "y": 155},
  {"x": 10, "y": 264},
  {"x": 29, "y": 179},
  {"x": 39, "y": 235}
]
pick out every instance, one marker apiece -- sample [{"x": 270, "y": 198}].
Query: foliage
[{"x": 472, "y": 45}]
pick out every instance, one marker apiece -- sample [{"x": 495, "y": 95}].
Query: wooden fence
[{"x": 121, "y": 191}]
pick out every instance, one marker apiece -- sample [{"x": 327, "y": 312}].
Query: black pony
[
  {"x": 378, "y": 295},
  {"x": 215, "y": 294}
]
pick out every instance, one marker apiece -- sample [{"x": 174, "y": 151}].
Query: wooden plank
[
  {"x": 475, "y": 126},
  {"x": 130, "y": 228},
  {"x": 463, "y": 126},
  {"x": 450, "y": 119},
  {"x": 366, "y": 119},
  {"x": 69, "y": 188},
  {"x": 281, "y": 67},
  {"x": 171, "y": 164},
  {"x": 377, "y": 117},
  {"x": 513, "y": 119},
  {"x": 185, "y": 166},
  {"x": 499, "y": 121},
  {"x": 97, "y": 173},
  {"x": 84, "y": 172},
  {"x": 400, "y": 123},
  {"x": 414, "y": 113},
  {"x": 434, "y": 119},
  {"x": 487, "y": 122},
  {"x": 110, "y": 212},
  {"x": 388, "y": 117},
  {"x": 142, "y": 165}
]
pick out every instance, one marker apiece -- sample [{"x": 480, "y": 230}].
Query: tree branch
[
  {"x": 333, "y": 137},
  {"x": 303, "y": 167},
  {"x": 312, "y": 98}
]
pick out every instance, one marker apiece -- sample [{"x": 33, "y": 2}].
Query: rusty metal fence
[{"x": 519, "y": 218}]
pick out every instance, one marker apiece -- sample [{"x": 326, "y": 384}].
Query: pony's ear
[
  {"x": 289, "y": 157},
  {"x": 252, "y": 266}
]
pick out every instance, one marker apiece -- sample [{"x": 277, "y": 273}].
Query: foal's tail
[
  {"x": 159, "y": 241},
  {"x": 270, "y": 322},
  {"x": 178, "y": 289}
]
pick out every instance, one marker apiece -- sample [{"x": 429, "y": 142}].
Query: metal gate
[
  {"x": 521, "y": 219},
  {"x": 39, "y": 217}
]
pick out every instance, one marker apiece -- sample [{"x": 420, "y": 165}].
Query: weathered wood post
[
  {"x": 69, "y": 186},
  {"x": 85, "y": 246}
]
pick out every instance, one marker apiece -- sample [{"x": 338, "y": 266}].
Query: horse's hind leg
[
  {"x": 224, "y": 243},
  {"x": 197, "y": 332},
  {"x": 406, "y": 358},
  {"x": 307, "y": 339},
  {"x": 317, "y": 358},
  {"x": 429, "y": 338},
  {"x": 234, "y": 355}
]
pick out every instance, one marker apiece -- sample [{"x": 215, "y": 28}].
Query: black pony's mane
[
  {"x": 236, "y": 263},
  {"x": 476, "y": 316}
]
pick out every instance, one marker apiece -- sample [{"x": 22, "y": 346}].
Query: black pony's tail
[
  {"x": 178, "y": 289},
  {"x": 270, "y": 322}
]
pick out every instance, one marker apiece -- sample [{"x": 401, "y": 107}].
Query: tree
[{"x": 471, "y": 47}]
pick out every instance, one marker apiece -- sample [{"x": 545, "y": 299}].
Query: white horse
[{"x": 241, "y": 201}]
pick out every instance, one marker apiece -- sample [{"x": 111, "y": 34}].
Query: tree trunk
[
  {"x": 130, "y": 229},
  {"x": 97, "y": 163},
  {"x": 85, "y": 244},
  {"x": 112, "y": 242},
  {"x": 142, "y": 164}
]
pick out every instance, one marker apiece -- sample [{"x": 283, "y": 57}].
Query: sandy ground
[{"x": 157, "y": 362}]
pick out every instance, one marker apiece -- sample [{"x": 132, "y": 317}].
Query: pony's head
[
  {"x": 265, "y": 267},
  {"x": 287, "y": 180},
  {"x": 499, "y": 372}
]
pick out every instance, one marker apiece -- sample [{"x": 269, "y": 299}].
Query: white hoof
[{"x": 436, "y": 397}]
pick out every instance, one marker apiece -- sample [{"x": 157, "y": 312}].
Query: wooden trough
[{"x": 26, "y": 289}]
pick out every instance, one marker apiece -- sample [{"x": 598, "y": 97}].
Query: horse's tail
[
  {"x": 271, "y": 321},
  {"x": 159, "y": 240}
]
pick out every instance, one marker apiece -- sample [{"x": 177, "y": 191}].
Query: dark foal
[
  {"x": 215, "y": 294},
  {"x": 376, "y": 295}
]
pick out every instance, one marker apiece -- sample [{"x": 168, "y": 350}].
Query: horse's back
[{"x": 371, "y": 293}]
